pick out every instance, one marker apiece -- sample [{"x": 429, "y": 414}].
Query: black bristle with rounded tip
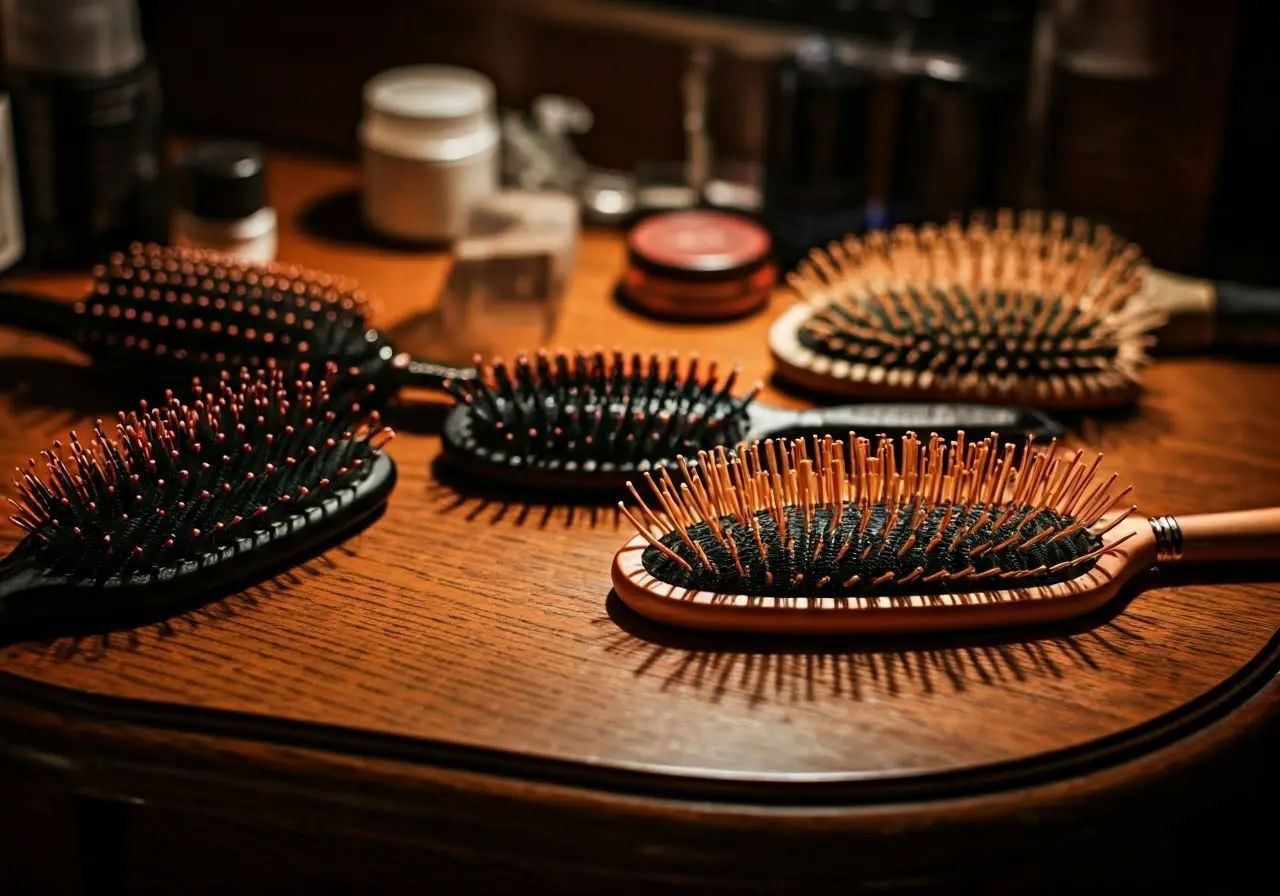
[
  {"x": 592, "y": 410},
  {"x": 177, "y": 482},
  {"x": 982, "y": 309},
  {"x": 199, "y": 308},
  {"x": 900, "y": 518}
]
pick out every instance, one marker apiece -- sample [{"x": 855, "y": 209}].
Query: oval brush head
[
  {"x": 884, "y": 525},
  {"x": 202, "y": 309},
  {"x": 176, "y": 500},
  {"x": 575, "y": 417},
  {"x": 1027, "y": 314}
]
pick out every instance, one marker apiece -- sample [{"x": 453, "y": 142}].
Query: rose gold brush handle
[{"x": 1240, "y": 535}]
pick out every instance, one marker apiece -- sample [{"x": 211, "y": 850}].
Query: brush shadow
[
  {"x": 1112, "y": 427},
  {"x": 220, "y": 603},
  {"x": 424, "y": 418},
  {"x": 338, "y": 218},
  {"x": 451, "y": 491},
  {"x": 1235, "y": 573},
  {"x": 1263, "y": 354},
  {"x": 795, "y": 668},
  {"x": 91, "y": 647},
  {"x": 52, "y": 393}
]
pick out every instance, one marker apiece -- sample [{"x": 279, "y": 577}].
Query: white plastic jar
[{"x": 429, "y": 141}]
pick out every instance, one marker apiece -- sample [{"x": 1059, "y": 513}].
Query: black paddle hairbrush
[
  {"x": 591, "y": 421},
  {"x": 200, "y": 312},
  {"x": 178, "y": 501}
]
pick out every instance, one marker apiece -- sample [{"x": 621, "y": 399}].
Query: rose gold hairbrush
[{"x": 834, "y": 537}]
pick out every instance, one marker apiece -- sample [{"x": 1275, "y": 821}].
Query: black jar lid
[{"x": 222, "y": 180}]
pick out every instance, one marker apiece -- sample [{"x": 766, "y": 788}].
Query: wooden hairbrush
[
  {"x": 835, "y": 537},
  {"x": 591, "y": 420},
  {"x": 176, "y": 502},
  {"x": 1212, "y": 315},
  {"x": 194, "y": 311},
  {"x": 1027, "y": 314}
]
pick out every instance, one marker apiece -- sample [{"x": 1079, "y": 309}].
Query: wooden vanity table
[{"x": 453, "y": 702}]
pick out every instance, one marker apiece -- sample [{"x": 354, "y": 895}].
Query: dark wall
[
  {"x": 1143, "y": 157},
  {"x": 1245, "y": 228}
]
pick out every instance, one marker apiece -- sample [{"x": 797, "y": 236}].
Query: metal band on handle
[{"x": 1168, "y": 538}]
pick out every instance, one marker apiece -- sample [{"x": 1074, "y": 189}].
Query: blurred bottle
[
  {"x": 1104, "y": 55},
  {"x": 86, "y": 127},
  {"x": 958, "y": 136},
  {"x": 815, "y": 159},
  {"x": 12, "y": 239}
]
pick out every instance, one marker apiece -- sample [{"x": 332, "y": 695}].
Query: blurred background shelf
[{"x": 1142, "y": 154}]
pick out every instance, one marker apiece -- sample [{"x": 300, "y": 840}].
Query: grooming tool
[
  {"x": 907, "y": 536},
  {"x": 177, "y": 501},
  {"x": 591, "y": 421},
  {"x": 1029, "y": 315},
  {"x": 193, "y": 311}
]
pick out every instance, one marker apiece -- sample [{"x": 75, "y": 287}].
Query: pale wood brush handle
[
  {"x": 1241, "y": 535},
  {"x": 1202, "y": 314}
]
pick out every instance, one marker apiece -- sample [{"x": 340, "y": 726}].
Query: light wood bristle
[
  {"x": 1027, "y": 302},
  {"x": 915, "y": 489}
]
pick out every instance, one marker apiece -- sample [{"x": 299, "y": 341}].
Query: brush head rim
[
  {"x": 609, "y": 479},
  {"x": 803, "y": 367},
  {"x": 906, "y": 614},
  {"x": 32, "y": 600}
]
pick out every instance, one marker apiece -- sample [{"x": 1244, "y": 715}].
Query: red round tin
[{"x": 699, "y": 264}]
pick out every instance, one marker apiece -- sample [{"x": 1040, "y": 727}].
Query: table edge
[{"x": 1210, "y": 711}]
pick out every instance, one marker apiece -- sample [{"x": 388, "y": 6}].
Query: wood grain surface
[{"x": 466, "y": 624}]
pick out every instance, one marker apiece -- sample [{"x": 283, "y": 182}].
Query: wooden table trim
[
  {"x": 1252, "y": 682},
  {"x": 703, "y": 839}
]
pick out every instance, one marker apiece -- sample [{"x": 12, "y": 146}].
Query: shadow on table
[
  {"x": 451, "y": 491},
  {"x": 131, "y": 631},
  {"x": 49, "y": 395},
  {"x": 796, "y": 668},
  {"x": 338, "y": 218}
]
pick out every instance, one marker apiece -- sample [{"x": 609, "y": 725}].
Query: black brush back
[
  {"x": 203, "y": 310},
  {"x": 594, "y": 413}
]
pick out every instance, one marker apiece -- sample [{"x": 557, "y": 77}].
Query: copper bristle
[{"x": 908, "y": 513}]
